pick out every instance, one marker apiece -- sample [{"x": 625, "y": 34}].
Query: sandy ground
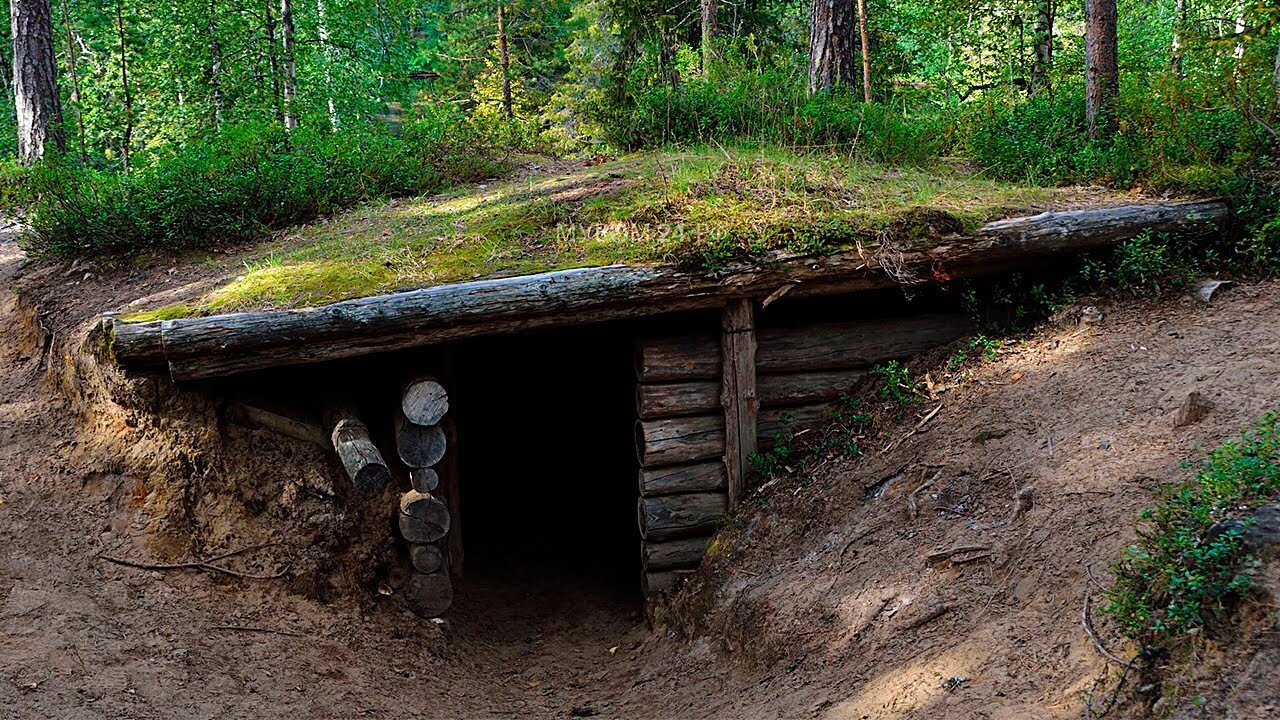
[{"x": 823, "y": 606}]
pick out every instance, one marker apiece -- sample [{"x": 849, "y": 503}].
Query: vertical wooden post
[{"x": 738, "y": 391}]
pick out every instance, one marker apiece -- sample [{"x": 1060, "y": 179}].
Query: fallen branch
[
  {"x": 1093, "y": 635},
  {"x": 206, "y": 564}
]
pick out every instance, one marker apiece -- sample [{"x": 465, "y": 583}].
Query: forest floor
[{"x": 696, "y": 208}]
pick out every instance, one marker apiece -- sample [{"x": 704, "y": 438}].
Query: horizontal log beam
[
  {"x": 679, "y": 516},
  {"x": 679, "y": 440},
  {"x": 664, "y": 582},
  {"x": 670, "y": 480},
  {"x": 820, "y": 346},
  {"x": 778, "y": 420},
  {"x": 702, "y": 396},
  {"x": 674, "y": 554},
  {"x": 220, "y": 345}
]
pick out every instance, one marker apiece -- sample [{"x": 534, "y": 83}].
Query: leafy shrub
[
  {"x": 740, "y": 102},
  {"x": 13, "y": 184},
  {"x": 244, "y": 183},
  {"x": 1179, "y": 574},
  {"x": 897, "y": 387}
]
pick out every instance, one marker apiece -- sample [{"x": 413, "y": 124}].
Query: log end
[{"x": 429, "y": 595}]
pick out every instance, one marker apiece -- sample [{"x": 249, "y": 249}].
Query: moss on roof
[{"x": 697, "y": 208}]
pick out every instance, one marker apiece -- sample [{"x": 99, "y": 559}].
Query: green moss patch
[{"x": 697, "y": 209}]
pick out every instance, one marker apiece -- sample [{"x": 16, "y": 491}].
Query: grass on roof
[{"x": 696, "y": 209}]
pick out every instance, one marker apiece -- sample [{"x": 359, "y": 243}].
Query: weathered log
[
  {"x": 424, "y": 480},
  {"x": 672, "y": 479},
  {"x": 665, "y": 582},
  {"x": 842, "y": 346},
  {"x": 424, "y": 402},
  {"x": 677, "y": 516},
  {"x": 423, "y": 518},
  {"x": 777, "y": 420},
  {"x": 677, "y": 358},
  {"x": 219, "y": 345},
  {"x": 677, "y": 399},
  {"x": 419, "y": 446},
  {"x": 359, "y": 456},
  {"x": 738, "y": 391},
  {"x": 426, "y": 558},
  {"x": 306, "y": 430},
  {"x": 429, "y": 595},
  {"x": 806, "y": 388},
  {"x": 673, "y": 555},
  {"x": 698, "y": 398},
  {"x": 679, "y": 440},
  {"x": 809, "y": 348}
]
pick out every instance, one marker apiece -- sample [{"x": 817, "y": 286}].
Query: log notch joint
[{"x": 738, "y": 392}]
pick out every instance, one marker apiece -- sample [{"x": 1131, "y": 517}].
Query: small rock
[
  {"x": 584, "y": 711},
  {"x": 1193, "y": 410},
  {"x": 1090, "y": 315}
]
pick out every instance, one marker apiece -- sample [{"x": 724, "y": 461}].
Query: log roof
[{"x": 227, "y": 344}]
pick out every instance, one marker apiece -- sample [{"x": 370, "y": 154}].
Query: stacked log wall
[{"x": 681, "y": 445}]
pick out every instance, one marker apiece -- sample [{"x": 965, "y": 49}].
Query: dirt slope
[
  {"x": 821, "y": 607},
  {"x": 842, "y": 616}
]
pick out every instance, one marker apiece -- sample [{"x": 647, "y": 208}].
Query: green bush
[
  {"x": 738, "y": 102},
  {"x": 13, "y": 184},
  {"x": 244, "y": 183},
  {"x": 1179, "y": 574},
  {"x": 1171, "y": 135}
]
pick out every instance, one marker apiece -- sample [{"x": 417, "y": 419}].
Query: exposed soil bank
[{"x": 819, "y": 607}]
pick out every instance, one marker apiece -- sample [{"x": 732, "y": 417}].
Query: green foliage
[
  {"x": 896, "y": 384},
  {"x": 774, "y": 460},
  {"x": 243, "y": 183},
  {"x": 1180, "y": 573},
  {"x": 14, "y": 184},
  {"x": 1146, "y": 265},
  {"x": 979, "y": 346},
  {"x": 844, "y": 427}
]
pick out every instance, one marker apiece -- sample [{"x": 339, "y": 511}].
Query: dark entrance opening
[{"x": 546, "y": 459}]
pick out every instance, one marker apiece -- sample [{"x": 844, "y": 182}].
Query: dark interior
[{"x": 547, "y": 462}]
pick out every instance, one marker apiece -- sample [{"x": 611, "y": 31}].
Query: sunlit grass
[{"x": 697, "y": 209}]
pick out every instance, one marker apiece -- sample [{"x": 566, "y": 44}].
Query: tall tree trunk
[
  {"x": 214, "y": 71},
  {"x": 504, "y": 60},
  {"x": 75, "y": 80},
  {"x": 1102, "y": 76},
  {"x": 323, "y": 32},
  {"x": 35, "y": 80},
  {"x": 273, "y": 63},
  {"x": 1042, "y": 68},
  {"x": 832, "y": 55},
  {"x": 1179, "y": 27},
  {"x": 708, "y": 31},
  {"x": 126, "y": 144},
  {"x": 865, "y": 41},
  {"x": 290, "y": 63}
]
